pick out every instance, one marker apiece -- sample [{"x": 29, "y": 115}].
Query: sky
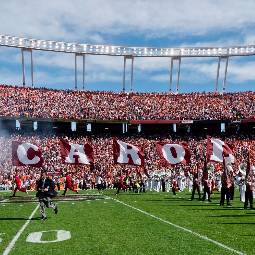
[{"x": 161, "y": 23}]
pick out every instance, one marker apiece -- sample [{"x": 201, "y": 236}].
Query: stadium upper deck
[{"x": 80, "y": 105}]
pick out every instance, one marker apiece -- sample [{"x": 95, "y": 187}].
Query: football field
[{"x": 146, "y": 223}]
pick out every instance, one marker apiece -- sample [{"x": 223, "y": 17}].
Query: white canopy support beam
[
  {"x": 76, "y": 55},
  {"x": 131, "y": 73},
  {"x": 222, "y": 62},
  {"x": 23, "y": 50},
  {"x": 173, "y": 59}
]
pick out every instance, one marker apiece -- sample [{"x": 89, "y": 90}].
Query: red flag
[
  {"x": 26, "y": 154},
  {"x": 174, "y": 154},
  {"x": 76, "y": 153},
  {"x": 126, "y": 153},
  {"x": 217, "y": 150}
]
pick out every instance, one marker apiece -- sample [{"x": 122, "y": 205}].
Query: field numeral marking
[{"x": 36, "y": 237}]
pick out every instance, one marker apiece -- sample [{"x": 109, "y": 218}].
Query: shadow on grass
[
  {"x": 237, "y": 223},
  {"x": 20, "y": 218},
  {"x": 220, "y": 209},
  {"x": 202, "y": 204},
  {"x": 229, "y": 216},
  {"x": 165, "y": 200},
  {"x": 128, "y": 194},
  {"x": 177, "y": 198}
]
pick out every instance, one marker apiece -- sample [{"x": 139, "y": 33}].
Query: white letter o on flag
[{"x": 180, "y": 153}]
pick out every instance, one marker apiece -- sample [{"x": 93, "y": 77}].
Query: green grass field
[{"x": 106, "y": 226}]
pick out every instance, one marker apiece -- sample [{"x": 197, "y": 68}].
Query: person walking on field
[{"x": 45, "y": 193}]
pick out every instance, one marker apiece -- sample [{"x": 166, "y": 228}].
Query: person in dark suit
[{"x": 45, "y": 192}]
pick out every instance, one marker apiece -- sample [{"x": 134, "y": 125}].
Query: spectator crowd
[{"x": 70, "y": 104}]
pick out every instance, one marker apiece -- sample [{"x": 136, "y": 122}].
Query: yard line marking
[
  {"x": 4, "y": 201},
  {"x": 182, "y": 228},
  {"x": 16, "y": 237}
]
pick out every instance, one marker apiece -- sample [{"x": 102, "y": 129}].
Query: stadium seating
[{"x": 68, "y": 104}]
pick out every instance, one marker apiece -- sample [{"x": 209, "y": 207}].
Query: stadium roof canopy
[
  {"x": 129, "y": 54},
  {"x": 113, "y": 50}
]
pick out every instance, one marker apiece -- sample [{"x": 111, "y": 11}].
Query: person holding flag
[
  {"x": 18, "y": 184},
  {"x": 120, "y": 183},
  {"x": 174, "y": 184},
  {"x": 249, "y": 180},
  {"x": 196, "y": 184},
  {"x": 206, "y": 182},
  {"x": 226, "y": 184},
  {"x": 69, "y": 184}
]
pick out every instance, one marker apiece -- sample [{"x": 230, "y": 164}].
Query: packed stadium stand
[
  {"x": 54, "y": 110},
  {"x": 70, "y": 104}
]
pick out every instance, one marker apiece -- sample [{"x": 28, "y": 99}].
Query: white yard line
[
  {"x": 4, "y": 201},
  {"x": 16, "y": 237},
  {"x": 182, "y": 228}
]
